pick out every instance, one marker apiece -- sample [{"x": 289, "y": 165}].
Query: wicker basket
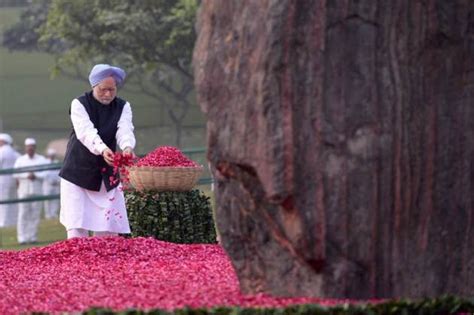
[{"x": 164, "y": 178}]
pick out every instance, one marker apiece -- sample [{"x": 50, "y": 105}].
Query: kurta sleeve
[
  {"x": 41, "y": 161},
  {"x": 125, "y": 136},
  {"x": 2, "y": 159},
  {"x": 85, "y": 131},
  {"x": 19, "y": 163}
]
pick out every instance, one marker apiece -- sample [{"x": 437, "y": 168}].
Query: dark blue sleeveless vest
[{"x": 80, "y": 166}]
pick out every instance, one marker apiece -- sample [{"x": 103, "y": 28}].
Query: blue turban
[{"x": 101, "y": 71}]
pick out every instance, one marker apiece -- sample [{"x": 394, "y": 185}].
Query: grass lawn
[{"x": 49, "y": 231}]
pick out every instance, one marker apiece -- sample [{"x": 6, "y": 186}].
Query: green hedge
[
  {"x": 179, "y": 217},
  {"x": 437, "y": 306}
]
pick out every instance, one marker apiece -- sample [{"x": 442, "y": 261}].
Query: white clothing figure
[
  {"x": 30, "y": 184},
  {"x": 86, "y": 203},
  {"x": 51, "y": 187},
  {"x": 8, "y": 156}
]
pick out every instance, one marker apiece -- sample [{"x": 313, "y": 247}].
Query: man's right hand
[
  {"x": 108, "y": 156},
  {"x": 31, "y": 176}
]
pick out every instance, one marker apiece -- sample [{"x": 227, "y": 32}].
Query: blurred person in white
[
  {"x": 51, "y": 187},
  {"x": 8, "y": 156},
  {"x": 30, "y": 184},
  {"x": 101, "y": 122}
]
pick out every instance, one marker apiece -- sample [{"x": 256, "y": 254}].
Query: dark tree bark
[{"x": 342, "y": 137}]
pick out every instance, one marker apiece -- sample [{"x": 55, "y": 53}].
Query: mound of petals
[
  {"x": 166, "y": 156},
  {"x": 120, "y": 273}
]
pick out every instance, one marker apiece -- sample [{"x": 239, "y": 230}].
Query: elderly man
[
  {"x": 51, "y": 187},
  {"x": 101, "y": 121},
  {"x": 8, "y": 156},
  {"x": 30, "y": 184}
]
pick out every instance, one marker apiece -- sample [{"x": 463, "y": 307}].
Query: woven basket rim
[{"x": 164, "y": 178}]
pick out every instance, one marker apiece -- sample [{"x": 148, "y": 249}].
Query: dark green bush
[
  {"x": 436, "y": 306},
  {"x": 179, "y": 217}
]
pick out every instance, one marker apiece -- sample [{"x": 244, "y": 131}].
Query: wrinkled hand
[
  {"x": 129, "y": 151},
  {"x": 108, "y": 156}
]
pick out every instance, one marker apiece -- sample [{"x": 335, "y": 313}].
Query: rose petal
[{"x": 119, "y": 273}]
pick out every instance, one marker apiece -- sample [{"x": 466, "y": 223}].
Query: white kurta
[
  {"x": 29, "y": 212},
  {"x": 51, "y": 187},
  {"x": 8, "y": 212},
  {"x": 98, "y": 211}
]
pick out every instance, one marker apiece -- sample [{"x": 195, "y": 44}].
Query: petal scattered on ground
[{"x": 120, "y": 273}]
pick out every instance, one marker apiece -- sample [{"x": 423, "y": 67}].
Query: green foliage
[
  {"x": 145, "y": 34},
  {"x": 132, "y": 33},
  {"x": 152, "y": 39},
  {"x": 24, "y": 36},
  {"x": 437, "y": 306},
  {"x": 179, "y": 217}
]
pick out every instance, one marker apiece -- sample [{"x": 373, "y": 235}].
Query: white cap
[
  {"x": 50, "y": 151},
  {"x": 30, "y": 141},
  {"x": 6, "y": 137}
]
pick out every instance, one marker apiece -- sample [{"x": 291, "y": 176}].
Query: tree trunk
[{"x": 342, "y": 137}]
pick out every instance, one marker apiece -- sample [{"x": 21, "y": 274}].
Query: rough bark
[{"x": 342, "y": 137}]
